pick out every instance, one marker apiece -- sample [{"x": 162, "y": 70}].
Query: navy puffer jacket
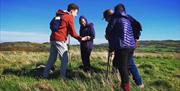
[{"x": 87, "y": 30}]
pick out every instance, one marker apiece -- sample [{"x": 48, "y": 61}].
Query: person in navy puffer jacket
[
  {"x": 136, "y": 31},
  {"x": 122, "y": 41},
  {"x": 86, "y": 29}
]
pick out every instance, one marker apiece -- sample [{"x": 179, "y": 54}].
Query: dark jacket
[
  {"x": 119, "y": 33},
  {"x": 87, "y": 30}
]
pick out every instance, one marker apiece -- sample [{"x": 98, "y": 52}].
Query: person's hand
[
  {"x": 88, "y": 37},
  {"x": 85, "y": 38}
]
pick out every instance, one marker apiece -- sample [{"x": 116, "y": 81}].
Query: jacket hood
[
  {"x": 82, "y": 17},
  {"x": 61, "y": 12}
]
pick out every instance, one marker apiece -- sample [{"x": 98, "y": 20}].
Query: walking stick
[{"x": 108, "y": 64}]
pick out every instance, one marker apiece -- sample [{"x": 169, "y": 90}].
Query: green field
[{"x": 160, "y": 70}]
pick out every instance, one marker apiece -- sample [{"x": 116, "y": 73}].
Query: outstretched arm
[{"x": 72, "y": 29}]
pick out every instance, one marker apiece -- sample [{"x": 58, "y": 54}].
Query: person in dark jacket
[
  {"x": 122, "y": 41},
  {"x": 132, "y": 67},
  {"x": 137, "y": 28},
  {"x": 86, "y": 29}
]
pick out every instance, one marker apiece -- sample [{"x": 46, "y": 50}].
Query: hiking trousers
[
  {"x": 85, "y": 56},
  {"x": 123, "y": 57},
  {"x": 58, "y": 48}
]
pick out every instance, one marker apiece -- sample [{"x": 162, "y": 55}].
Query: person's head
[
  {"x": 119, "y": 8},
  {"x": 73, "y": 9},
  {"x": 107, "y": 14},
  {"x": 82, "y": 21}
]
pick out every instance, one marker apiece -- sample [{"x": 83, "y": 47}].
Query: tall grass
[{"x": 160, "y": 72}]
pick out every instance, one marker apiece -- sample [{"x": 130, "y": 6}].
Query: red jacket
[{"x": 66, "y": 27}]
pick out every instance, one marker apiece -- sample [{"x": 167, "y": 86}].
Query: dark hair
[
  {"x": 72, "y": 6},
  {"x": 119, "y": 7}
]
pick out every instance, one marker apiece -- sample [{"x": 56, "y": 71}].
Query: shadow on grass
[
  {"x": 147, "y": 69},
  {"x": 162, "y": 84},
  {"x": 26, "y": 71},
  {"x": 37, "y": 72}
]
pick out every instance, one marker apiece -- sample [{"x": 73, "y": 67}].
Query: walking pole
[{"x": 108, "y": 64}]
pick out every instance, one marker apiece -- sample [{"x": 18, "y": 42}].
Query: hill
[{"x": 143, "y": 46}]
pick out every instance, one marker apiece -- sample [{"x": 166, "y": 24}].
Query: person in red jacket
[{"x": 59, "y": 37}]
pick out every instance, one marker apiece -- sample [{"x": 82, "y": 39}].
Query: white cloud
[
  {"x": 9, "y": 36},
  {"x": 99, "y": 41},
  {"x": 40, "y": 37}
]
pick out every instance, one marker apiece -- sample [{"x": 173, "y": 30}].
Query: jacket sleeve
[
  {"x": 108, "y": 31},
  {"x": 92, "y": 31},
  {"x": 72, "y": 29}
]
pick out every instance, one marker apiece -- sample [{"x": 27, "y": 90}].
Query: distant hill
[
  {"x": 24, "y": 46},
  {"x": 153, "y": 46},
  {"x": 143, "y": 46}
]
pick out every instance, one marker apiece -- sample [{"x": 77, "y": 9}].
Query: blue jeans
[
  {"x": 134, "y": 71},
  {"x": 57, "y": 48}
]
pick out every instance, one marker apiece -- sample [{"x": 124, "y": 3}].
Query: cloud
[
  {"x": 9, "y": 36},
  {"x": 39, "y": 37}
]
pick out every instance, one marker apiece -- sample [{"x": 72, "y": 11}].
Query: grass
[{"x": 159, "y": 71}]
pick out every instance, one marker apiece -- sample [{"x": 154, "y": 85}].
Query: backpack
[
  {"x": 55, "y": 23},
  {"x": 136, "y": 26}
]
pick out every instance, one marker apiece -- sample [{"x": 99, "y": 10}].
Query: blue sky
[{"x": 28, "y": 20}]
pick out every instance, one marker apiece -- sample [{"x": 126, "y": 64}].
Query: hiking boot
[{"x": 126, "y": 86}]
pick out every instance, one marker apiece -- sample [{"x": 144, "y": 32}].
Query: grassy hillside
[
  {"x": 24, "y": 46},
  {"x": 143, "y": 46},
  {"x": 159, "y": 70},
  {"x": 159, "y": 46}
]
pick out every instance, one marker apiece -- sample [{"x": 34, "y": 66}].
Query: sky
[{"x": 28, "y": 20}]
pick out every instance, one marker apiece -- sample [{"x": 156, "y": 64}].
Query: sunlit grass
[{"x": 159, "y": 71}]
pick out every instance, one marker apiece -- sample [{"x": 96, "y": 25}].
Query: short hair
[
  {"x": 72, "y": 6},
  {"x": 119, "y": 7},
  {"x": 107, "y": 13}
]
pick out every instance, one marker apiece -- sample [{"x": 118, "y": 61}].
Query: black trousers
[
  {"x": 121, "y": 61},
  {"x": 85, "y": 56}
]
